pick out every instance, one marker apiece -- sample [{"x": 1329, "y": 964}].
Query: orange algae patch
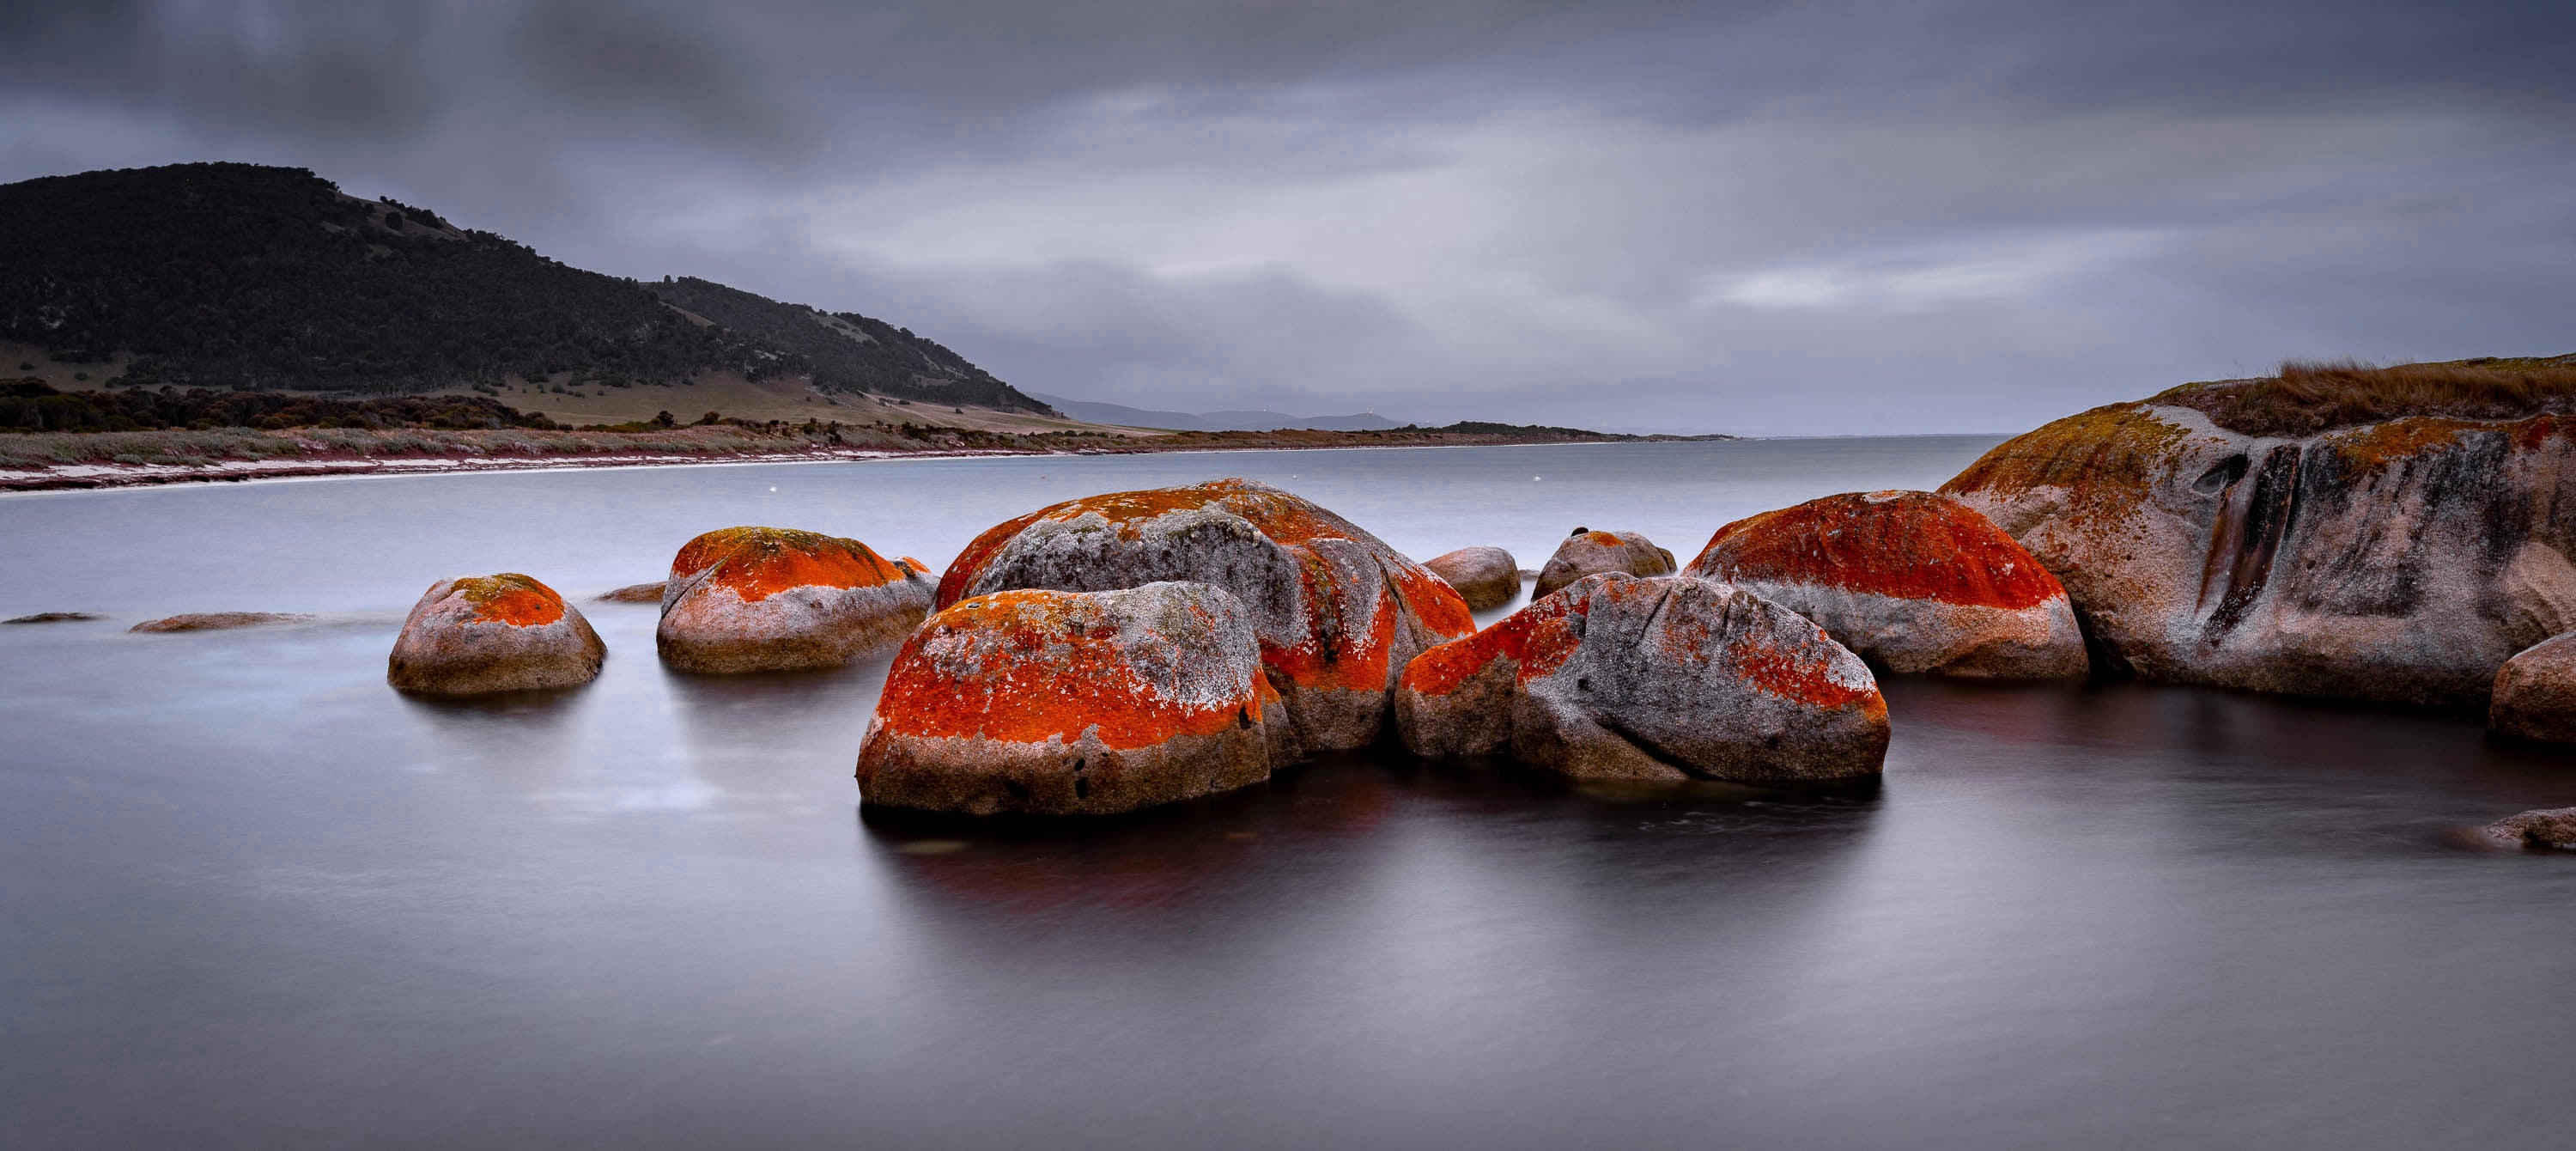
[
  {"x": 1035, "y": 666},
  {"x": 1538, "y": 640},
  {"x": 969, "y": 565},
  {"x": 758, "y": 563},
  {"x": 1285, "y": 521},
  {"x": 510, "y": 598},
  {"x": 2378, "y": 445},
  {"x": 1910, "y": 545},
  {"x": 1797, "y": 675}
]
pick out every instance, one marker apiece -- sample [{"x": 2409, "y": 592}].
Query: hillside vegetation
[
  {"x": 845, "y": 351},
  {"x": 242, "y": 277},
  {"x": 2306, "y": 397}
]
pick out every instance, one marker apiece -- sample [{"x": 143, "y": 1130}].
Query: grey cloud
[{"x": 1761, "y": 217}]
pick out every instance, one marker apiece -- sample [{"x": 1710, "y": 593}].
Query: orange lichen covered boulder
[
  {"x": 1337, "y": 611},
  {"x": 1484, "y": 577},
  {"x": 495, "y": 633},
  {"x": 1075, "y": 703},
  {"x": 1587, "y": 552},
  {"x": 2535, "y": 693},
  {"x": 1911, "y": 581},
  {"x": 1619, "y": 677},
  {"x": 2402, "y": 560},
  {"x": 774, "y": 599}
]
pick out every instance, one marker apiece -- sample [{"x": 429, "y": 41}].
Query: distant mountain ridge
[
  {"x": 250, "y": 277},
  {"x": 1225, "y": 421}
]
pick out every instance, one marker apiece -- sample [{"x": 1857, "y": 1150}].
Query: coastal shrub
[{"x": 2308, "y": 396}]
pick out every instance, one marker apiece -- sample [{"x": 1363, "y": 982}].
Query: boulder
[
  {"x": 1586, "y": 552},
  {"x": 495, "y": 633},
  {"x": 2549, "y": 829},
  {"x": 1076, "y": 703},
  {"x": 1619, "y": 677},
  {"x": 2535, "y": 693},
  {"x": 2401, "y": 560},
  {"x": 775, "y": 599},
  {"x": 1337, "y": 612},
  {"x": 1911, "y": 581},
  {"x": 1484, "y": 577},
  {"x": 637, "y": 593},
  {"x": 218, "y": 620}
]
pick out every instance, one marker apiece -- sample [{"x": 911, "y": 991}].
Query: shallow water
[{"x": 248, "y": 895}]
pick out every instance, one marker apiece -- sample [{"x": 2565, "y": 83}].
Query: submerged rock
[
  {"x": 1911, "y": 581},
  {"x": 1663, "y": 679},
  {"x": 495, "y": 633},
  {"x": 2403, "y": 560},
  {"x": 2549, "y": 829},
  {"x": 218, "y": 620},
  {"x": 637, "y": 593},
  {"x": 775, "y": 599},
  {"x": 54, "y": 617},
  {"x": 1337, "y": 612},
  {"x": 1484, "y": 577},
  {"x": 1587, "y": 552},
  {"x": 1076, "y": 703},
  {"x": 2535, "y": 693}
]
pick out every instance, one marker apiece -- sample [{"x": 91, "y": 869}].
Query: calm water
[{"x": 249, "y": 896}]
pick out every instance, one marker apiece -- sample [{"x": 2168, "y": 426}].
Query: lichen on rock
[
  {"x": 1588, "y": 552},
  {"x": 749, "y": 599},
  {"x": 2401, "y": 560},
  {"x": 1620, "y": 677},
  {"x": 1337, "y": 612},
  {"x": 1911, "y": 581},
  {"x": 485, "y": 634},
  {"x": 1076, "y": 703}
]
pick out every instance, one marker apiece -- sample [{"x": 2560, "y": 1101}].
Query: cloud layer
[{"x": 1768, "y": 218}]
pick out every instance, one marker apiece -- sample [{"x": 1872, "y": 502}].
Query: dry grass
[{"x": 2309, "y": 396}]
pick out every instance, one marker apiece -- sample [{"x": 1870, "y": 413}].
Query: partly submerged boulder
[
  {"x": 1911, "y": 581},
  {"x": 482, "y": 634},
  {"x": 2400, "y": 560},
  {"x": 219, "y": 620},
  {"x": 637, "y": 593},
  {"x": 775, "y": 599},
  {"x": 2535, "y": 693},
  {"x": 1338, "y": 612},
  {"x": 1587, "y": 552},
  {"x": 2549, "y": 829},
  {"x": 1076, "y": 703},
  {"x": 1484, "y": 577},
  {"x": 1625, "y": 678}
]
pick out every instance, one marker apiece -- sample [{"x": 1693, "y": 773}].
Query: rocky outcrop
[
  {"x": 1661, "y": 679},
  {"x": 2402, "y": 561},
  {"x": 218, "y": 620},
  {"x": 2535, "y": 693},
  {"x": 637, "y": 593},
  {"x": 495, "y": 633},
  {"x": 53, "y": 617},
  {"x": 1484, "y": 577},
  {"x": 1587, "y": 552},
  {"x": 775, "y": 599},
  {"x": 1076, "y": 703},
  {"x": 1911, "y": 581},
  {"x": 1337, "y": 612},
  {"x": 2550, "y": 829}
]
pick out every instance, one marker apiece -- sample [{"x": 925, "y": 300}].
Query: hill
[
  {"x": 1226, "y": 421},
  {"x": 244, "y": 277}
]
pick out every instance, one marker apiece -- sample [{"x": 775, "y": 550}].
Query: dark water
[{"x": 251, "y": 897}]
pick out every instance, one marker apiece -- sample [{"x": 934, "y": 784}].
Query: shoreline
[{"x": 18, "y": 478}]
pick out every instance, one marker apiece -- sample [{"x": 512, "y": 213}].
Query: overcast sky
[{"x": 1765, "y": 218}]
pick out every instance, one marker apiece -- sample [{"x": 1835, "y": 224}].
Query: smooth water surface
[{"x": 249, "y": 896}]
